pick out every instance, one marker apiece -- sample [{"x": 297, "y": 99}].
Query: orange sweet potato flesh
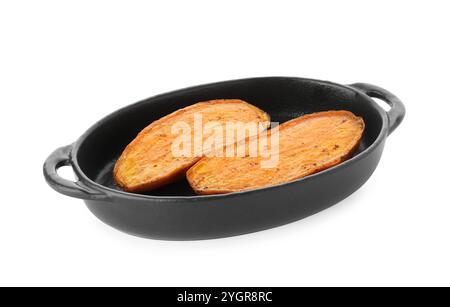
[
  {"x": 148, "y": 161},
  {"x": 307, "y": 145}
]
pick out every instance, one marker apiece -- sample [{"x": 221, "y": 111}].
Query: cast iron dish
[{"x": 175, "y": 212}]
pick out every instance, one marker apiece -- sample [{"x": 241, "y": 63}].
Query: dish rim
[{"x": 111, "y": 193}]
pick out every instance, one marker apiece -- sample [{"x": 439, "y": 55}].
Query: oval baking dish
[{"x": 175, "y": 212}]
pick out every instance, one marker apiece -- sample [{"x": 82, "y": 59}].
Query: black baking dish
[{"x": 175, "y": 212}]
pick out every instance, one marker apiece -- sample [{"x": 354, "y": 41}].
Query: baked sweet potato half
[
  {"x": 306, "y": 145},
  {"x": 149, "y": 162}
]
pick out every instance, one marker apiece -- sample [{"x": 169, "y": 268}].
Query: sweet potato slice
[
  {"x": 307, "y": 145},
  {"x": 148, "y": 161}
]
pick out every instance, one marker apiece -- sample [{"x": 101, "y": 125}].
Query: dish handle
[
  {"x": 62, "y": 157},
  {"x": 397, "y": 111}
]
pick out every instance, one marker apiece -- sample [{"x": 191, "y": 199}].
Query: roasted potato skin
[
  {"x": 307, "y": 145},
  {"x": 147, "y": 162}
]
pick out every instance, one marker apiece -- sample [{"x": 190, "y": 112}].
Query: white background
[{"x": 64, "y": 65}]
